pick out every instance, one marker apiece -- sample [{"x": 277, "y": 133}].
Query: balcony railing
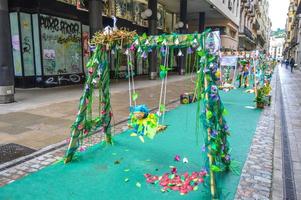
[{"x": 248, "y": 33}]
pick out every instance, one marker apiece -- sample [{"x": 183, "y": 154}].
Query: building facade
[
  {"x": 292, "y": 46},
  {"x": 222, "y": 16},
  {"x": 255, "y": 25},
  {"x": 50, "y": 37},
  {"x": 277, "y": 40}
]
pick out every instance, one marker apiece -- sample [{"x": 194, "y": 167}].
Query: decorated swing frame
[{"x": 211, "y": 113}]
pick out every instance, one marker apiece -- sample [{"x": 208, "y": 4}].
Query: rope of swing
[
  {"x": 163, "y": 87},
  {"x": 128, "y": 69},
  {"x": 132, "y": 89}
]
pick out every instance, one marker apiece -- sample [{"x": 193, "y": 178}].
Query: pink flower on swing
[{"x": 103, "y": 112}]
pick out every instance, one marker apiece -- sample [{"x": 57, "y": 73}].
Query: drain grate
[
  {"x": 13, "y": 151},
  {"x": 288, "y": 173}
]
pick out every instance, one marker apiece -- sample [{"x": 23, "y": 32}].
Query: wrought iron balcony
[{"x": 248, "y": 33}]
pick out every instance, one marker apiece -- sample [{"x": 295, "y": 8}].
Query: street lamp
[
  {"x": 147, "y": 13},
  {"x": 180, "y": 24}
]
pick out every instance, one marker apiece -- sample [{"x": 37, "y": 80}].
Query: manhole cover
[{"x": 13, "y": 151}]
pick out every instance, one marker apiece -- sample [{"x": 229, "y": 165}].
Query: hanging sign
[
  {"x": 228, "y": 61},
  {"x": 213, "y": 42}
]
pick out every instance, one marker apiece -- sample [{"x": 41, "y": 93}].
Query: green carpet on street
[{"x": 101, "y": 171}]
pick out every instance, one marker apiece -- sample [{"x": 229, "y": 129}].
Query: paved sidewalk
[
  {"x": 287, "y": 154},
  {"x": 42, "y": 117}
]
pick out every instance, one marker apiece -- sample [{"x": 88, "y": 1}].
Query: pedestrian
[
  {"x": 292, "y": 64},
  {"x": 286, "y": 63}
]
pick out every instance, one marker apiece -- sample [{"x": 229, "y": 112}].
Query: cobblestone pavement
[
  {"x": 49, "y": 123},
  {"x": 263, "y": 175},
  {"x": 256, "y": 177}
]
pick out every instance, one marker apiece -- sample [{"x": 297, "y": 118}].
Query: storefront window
[
  {"x": 123, "y": 9},
  {"x": 139, "y": 6},
  {"x": 15, "y": 36},
  {"x": 36, "y": 36},
  {"x": 61, "y": 45},
  {"x": 72, "y": 2},
  {"x": 161, "y": 16},
  {"x": 27, "y": 44},
  {"x": 107, "y": 6},
  {"x": 169, "y": 22}
]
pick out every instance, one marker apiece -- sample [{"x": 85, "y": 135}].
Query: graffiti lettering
[
  {"x": 26, "y": 45},
  {"x": 46, "y": 37},
  {"x": 55, "y": 24},
  {"x": 58, "y": 80},
  {"x": 63, "y": 40}
]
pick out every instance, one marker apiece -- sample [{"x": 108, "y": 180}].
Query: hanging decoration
[{"x": 98, "y": 75}]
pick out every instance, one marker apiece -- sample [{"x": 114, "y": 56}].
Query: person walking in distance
[
  {"x": 292, "y": 64},
  {"x": 286, "y": 63}
]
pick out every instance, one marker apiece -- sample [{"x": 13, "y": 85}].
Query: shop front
[{"x": 50, "y": 38}]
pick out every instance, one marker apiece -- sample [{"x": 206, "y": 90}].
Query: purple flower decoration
[
  {"x": 162, "y": 49},
  {"x": 189, "y": 50},
  {"x": 203, "y": 148},
  {"x": 213, "y": 133},
  {"x": 214, "y": 97},
  {"x": 144, "y": 55},
  {"x": 213, "y": 89},
  {"x": 87, "y": 88},
  {"x": 206, "y": 70},
  {"x": 226, "y": 127},
  {"x": 92, "y": 48},
  {"x": 227, "y": 157}
]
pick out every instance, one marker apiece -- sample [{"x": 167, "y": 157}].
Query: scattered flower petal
[{"x": 177, "y": 158}]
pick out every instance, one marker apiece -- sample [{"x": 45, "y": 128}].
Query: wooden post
[
  {"x": 255, "y": 86},
  {"x": 211, "y": 159}
]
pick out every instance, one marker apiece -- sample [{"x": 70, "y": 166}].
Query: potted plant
[
  {"x": 267, "y": 93},
  {"x": 260, "y": 99}
]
